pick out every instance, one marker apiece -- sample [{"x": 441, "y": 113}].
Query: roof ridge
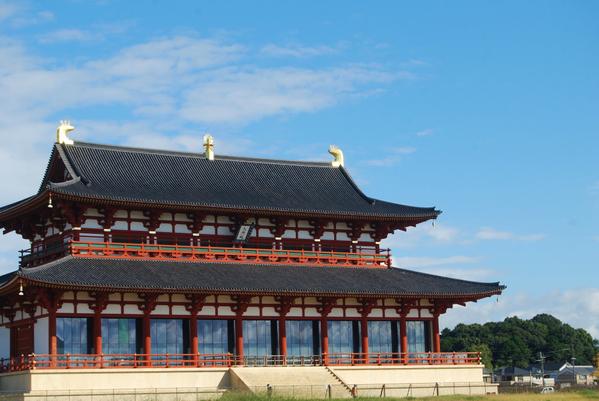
[{"x": 167, "y": 152}]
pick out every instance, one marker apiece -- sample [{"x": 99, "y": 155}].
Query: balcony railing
[
  {"x": 166, "y": 361},
  {"x": 211, "y": 253}
]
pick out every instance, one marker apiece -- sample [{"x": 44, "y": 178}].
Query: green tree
[{"x": 517, "y": 342}]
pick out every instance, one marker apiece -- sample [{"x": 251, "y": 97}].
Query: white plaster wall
[
  {"x": 252, "y": 311},
  {"x": 295, "y": 312},
  {"x": 112, "y": 309},
  {"x": 133, "y": 310},
  {"x": 311, "y": 312},
  {"x": 269, "y": 311},
  {"x": 4, "y": 342},
  {"x": 67, "y": 308},
  {"x": 208, "y": 311},
  {"x": 40, "y": 336}
]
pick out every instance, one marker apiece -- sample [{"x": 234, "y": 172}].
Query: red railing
[
  {"x": 228, "y": 254},
  {"x": 121, "y": 361},
  {"x": 405, "y": 358}
]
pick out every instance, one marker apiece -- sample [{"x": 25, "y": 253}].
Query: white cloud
[
  {"x": 97, "y": 33},
  {"x": 424, "y": 132},
  {"x": 296, "y": 51},
  {"x": 69, "y": 35},
  {"x": 472, "y": 274},
  {"x": 403, "y": 150},
  {"x": 7, "y": 10},
  {"x": 488, "y": 233},
  {"x": 234, "y": 95},
  {"x": 412, "y": 262},
  {"x": 394, "y": 156},
  {"x": 567, "y": 305},
  {"x": 422, "y": 233}
]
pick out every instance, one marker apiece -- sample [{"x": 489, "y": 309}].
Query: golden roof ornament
[
  {"x": 209, "y": 146},
  {"x": 61, "y": 133},
  {"x": 338, "y": 155}
]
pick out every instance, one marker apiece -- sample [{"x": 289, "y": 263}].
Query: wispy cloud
[
  {"x": 423, "y": 233},
  {"x": 98, "y": 33},
  {"x": 297, "y": 51},
  {"x": 488, "y": 233},
  {"x": 69, "y": 35},
  {"x": 19, "y": 15},
  {"x": 470, "y": 274},
  {"x": 425, "y": 261},
  {"x": 393, "y": 156},
  {"x": 424, "y": 132},
  {"x": 7, "y": 10}
]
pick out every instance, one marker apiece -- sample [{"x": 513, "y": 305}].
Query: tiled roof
[
  {"x": 189, "y": 179},
  {"x": 173, "y": 276}
]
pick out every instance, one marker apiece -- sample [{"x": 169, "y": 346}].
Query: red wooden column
[
  {"x": 436, "y": 335},
  {"x": 283, "y": 308},
  {"x": 326, "y": 306},
  {"x": 405, "y": 305},
  {"x": 51, "y": 301},
  {"x": 195, "y": 305},
  {"x": 403, "y": 335},
  {"x": 239, "y": 339},
  {"x": 98, "y": 304},
  {"x": 364, "y": 333},
  {"x": 283, "y": 339},
  {"x": 241, "y": 305},
  {"x": 438, "y": 309},
  {"x": 147, "y": 306},
  {"x": 366, "y": 307}
]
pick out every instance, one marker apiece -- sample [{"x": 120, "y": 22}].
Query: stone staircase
[{"x": 300, "y": 382}]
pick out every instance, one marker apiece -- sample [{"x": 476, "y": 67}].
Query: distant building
[{"x": 570, "y": 375}]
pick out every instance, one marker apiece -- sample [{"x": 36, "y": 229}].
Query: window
[
  {"x": 72, "y": 335},
  {"x": 214, "y": 336},
  {"x": 416, "y": 336},
  {"x": 168, "y": 336},
  {"x": 302, "y": 337},
  {"x": 119, "y": 336},
  {"x": 344, "y": 337},
  {"x": 381, "y": 337},
  {"x": 258, "y": 337}
]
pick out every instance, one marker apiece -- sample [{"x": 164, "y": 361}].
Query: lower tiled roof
[{"x": 155, "y": 275}]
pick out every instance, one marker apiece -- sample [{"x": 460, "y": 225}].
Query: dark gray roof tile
[{"x": 234, "y": 277}]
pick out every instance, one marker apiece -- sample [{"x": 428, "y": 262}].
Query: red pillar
[
  {"x": 239, "y": 339},
  {"x": 403, "y": 335},
  {"x": 193, "y": 328},
  {"x": 324, "y": 338},
  {"x": 147, "y": 339},
  {"x": 283, "y": 339},
  {"x": 53, "y": 343},
  {"x": 364, "y": 332},
  {"x": 436, "y": 335},
  {"x": 98, "y": 331}
]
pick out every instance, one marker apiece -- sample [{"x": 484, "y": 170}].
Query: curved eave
[
  {"x": 466, "y": 297},
  {"x": 24, "y": 205}
]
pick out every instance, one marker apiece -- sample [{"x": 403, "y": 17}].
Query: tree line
[{"x": 517, "y": 342}]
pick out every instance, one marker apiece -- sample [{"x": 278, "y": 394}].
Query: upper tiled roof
[
  {"x": 176, "y": 276},
  {"x": 188, "y": 179}
]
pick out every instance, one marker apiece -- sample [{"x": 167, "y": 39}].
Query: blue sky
[{"x": 487, "y": 110}]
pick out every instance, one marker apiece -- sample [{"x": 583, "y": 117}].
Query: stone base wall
[{"x": 209, "y": 383}]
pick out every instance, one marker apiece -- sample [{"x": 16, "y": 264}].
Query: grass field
[{"x": 580, "y": 395}]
